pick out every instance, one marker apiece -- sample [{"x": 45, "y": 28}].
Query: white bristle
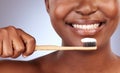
[{"x": 88, "y": 40}]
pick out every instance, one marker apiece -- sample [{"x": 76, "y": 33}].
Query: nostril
[{"x": 85, "y": 13}]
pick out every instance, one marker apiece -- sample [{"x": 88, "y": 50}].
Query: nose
[{"x": 86, "y": 8}]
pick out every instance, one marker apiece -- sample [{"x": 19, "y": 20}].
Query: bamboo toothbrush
[{"x": 88, "y": 44}]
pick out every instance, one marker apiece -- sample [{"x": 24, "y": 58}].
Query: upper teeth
[{"x": 86, "y": 26}]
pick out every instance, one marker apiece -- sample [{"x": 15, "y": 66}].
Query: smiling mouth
[{"x": 86, "y": 26}]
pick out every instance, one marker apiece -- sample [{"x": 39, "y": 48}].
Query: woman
[{"x": 70, "y": 19}]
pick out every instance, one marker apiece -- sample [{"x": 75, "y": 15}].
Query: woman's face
[{"x": 77, "y": 19}]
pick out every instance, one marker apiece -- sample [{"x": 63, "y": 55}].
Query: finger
[
  {"x": 17, "y": 53},
  {"x": 18, "y": 47},
  {"x": 7, "y": 46},
  {"x": 29, "y": 43},
  {"x": 7, "y": 49},
  {"x": 1, "y": 41},
  {"x": 17, "y": 43},
  {"x": 1, "y": 45}
]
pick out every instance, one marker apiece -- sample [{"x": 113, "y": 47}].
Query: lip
[{"x": 86, "y": 32}]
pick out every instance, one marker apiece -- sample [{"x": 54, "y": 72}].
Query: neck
[{"x": 86, "y": 59}]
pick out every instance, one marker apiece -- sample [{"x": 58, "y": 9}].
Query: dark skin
[{"x": 63, "y": 14}]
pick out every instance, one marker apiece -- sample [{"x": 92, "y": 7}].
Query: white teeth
[{"x": 86, "y": 26}]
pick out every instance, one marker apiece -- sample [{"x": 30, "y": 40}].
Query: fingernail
[{"x": 24, "y": 56}]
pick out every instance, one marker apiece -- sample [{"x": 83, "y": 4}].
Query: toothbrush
[{"x": 88, "y": 44}]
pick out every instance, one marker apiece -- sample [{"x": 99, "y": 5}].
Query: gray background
[{"x": 31, "y": 16}]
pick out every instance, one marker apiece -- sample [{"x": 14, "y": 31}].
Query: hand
[{"x": 14, "y": 42}]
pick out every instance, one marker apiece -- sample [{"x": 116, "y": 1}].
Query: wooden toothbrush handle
[{"x": 53, "y": 47}]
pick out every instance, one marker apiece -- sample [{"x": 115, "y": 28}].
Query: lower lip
[{"x": 86, "y": 32}]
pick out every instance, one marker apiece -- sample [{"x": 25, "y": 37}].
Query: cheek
[
  {"x": 112, "y": 27},
  {"x": 110, "y": 9},
  {"x": 61, "y": 10}
]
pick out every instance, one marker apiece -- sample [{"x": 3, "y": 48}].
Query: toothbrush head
[{"x": 89, "y": 42}]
